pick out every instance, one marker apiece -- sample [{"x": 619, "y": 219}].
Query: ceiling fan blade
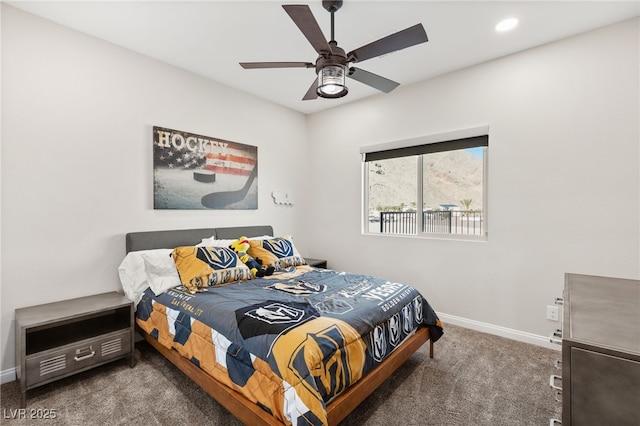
[
  {"x": 373, "y": 80},
  {"x": 400, "y": 40},
  {"x": 303, "y": 18},
  {"x": 254, "y": 65},
  {"x": 311, "y": 93}
]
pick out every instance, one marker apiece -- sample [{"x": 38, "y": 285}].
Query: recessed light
[{"x": 507, "y": 24}]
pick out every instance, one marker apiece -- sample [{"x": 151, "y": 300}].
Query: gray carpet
[{"x": 474, "y": 379}]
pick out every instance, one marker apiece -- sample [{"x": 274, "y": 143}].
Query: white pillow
[
  {"x": 144, "y": 269},
  {"x": 212, "y": 242},
  {"x": 161, "y": 271},
  {"x": 205, "y": 240},
  {"x": 133, "y": 277}
]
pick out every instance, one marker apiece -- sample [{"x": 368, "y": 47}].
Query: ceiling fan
[{"x": 333, "y": 64}]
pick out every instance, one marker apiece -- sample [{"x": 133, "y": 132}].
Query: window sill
[{"x": 439, "y": 237}]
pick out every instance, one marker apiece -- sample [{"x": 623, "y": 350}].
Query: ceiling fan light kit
[
  {"x": 333, "y": 64},
  {"x": 331, "y": 82}
]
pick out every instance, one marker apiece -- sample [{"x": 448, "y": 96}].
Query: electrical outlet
[{"x": 553, "y": 313}]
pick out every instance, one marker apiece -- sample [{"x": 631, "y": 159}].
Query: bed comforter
[{"x": 293, "y": 341}]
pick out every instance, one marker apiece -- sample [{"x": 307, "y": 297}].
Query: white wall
[
  {"x": 564, "y": 183},
  {"x": 77, "y": 115}
]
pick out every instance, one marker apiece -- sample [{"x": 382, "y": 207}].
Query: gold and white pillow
[
  {"x": 201, "y": 267},
  {"x": 279, "y": 252}
]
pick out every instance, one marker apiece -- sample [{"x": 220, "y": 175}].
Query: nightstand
[
  {"x": 318, "y": 263},
  {"x": 56, "y": 340}
]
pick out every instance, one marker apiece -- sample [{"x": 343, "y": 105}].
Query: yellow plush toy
[{"x": 240, "y": 246}]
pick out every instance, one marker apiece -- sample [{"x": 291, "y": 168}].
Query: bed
[{"x": 302, "y": 346}]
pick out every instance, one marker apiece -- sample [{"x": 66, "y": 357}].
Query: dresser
[{"x": 601, "y": 351}]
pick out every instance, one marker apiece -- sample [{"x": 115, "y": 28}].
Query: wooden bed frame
[{"x": 243, "y": 409}]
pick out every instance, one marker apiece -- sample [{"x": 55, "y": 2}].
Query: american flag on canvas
[
  {"x": 233, "y": 161},
  {"x": 175, "y": 149}
]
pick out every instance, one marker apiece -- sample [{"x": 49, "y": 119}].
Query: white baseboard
[
  {"x": 7, "y": 376},
  {"x": 497, "y": 330},
  {"x": 10, "y": 374}
]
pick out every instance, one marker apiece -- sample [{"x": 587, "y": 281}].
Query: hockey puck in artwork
[{"x": 205, "y": 176}]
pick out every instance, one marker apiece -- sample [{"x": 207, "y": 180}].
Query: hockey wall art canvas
[{"x": 199, "y": 172}]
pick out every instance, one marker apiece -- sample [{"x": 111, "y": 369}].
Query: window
[{"x": 429, "y": 186}]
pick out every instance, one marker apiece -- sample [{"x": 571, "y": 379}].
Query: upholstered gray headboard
[{"x": 149, "y": 240}]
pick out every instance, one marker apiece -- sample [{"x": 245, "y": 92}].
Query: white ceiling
[{"x": 210, "y": 38}]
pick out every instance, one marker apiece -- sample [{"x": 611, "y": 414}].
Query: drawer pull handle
[
  {"x": 559, "y": 301},
  {"x": 554, "y": 422},
  {"x": 557, "y": 364},
  {"x": 552, "y": 382},
  {"x": 556, "y": 337},
  {"x": 83, "y": 357}
]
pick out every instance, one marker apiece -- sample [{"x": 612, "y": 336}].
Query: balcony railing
[{"x": 461, "y": 222}]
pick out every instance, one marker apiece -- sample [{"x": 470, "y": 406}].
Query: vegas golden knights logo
[
  {"x": 394, "y": 329},
  {"x": 277, "y": 313},
  {"x": 378, "y": 343},
  {"x": 333, "y": 347},
  {"x": 299, "y": 287},
  {"x": 417, "y": 308},
  {"x": 216, "y": 257},
  {"x": 279, "y": 246},
  {"x": 407, "y": 319},
  {"x": 336, "y": 374}
]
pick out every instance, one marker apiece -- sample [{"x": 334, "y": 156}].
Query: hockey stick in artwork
[{"x": 220, "y": 200}]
